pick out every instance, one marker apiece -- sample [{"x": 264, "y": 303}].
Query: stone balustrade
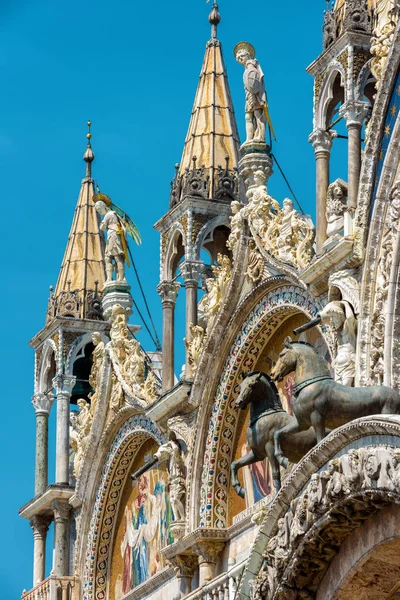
[
  {"x": 54, "y": 588},
  {"x": 223, "y": 587}
]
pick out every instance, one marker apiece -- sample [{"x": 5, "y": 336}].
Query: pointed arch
[{"x": 330, "y": 94}]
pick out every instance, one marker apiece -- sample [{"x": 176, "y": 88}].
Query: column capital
[
  {"x": 61, "y": 510},
  {"x": 321, "y": 140},
  {"x": 168, "y": 291},
  {"x": 191, "y": 271},
  {"x": 354, "y": 112},
  {"x": 42, "y": 403},
  {"x": 40, "y": 524},
  {"x": 208, "y": 551},
  {"x": 64, "y": 384},
  {"x": 184, "y": 565}
]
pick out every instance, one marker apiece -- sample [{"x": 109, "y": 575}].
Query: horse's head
[
  {"x": 286, "y": 363},
  {"x": 247, "y": 388}
]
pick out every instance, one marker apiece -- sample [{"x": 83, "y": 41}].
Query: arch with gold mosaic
[
  {"x": 258, "y": 328},
  {"x": 114, "y": 477}
]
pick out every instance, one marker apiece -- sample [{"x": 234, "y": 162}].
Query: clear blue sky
[{"x": 132, "y": 68}]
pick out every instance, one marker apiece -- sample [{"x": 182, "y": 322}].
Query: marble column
[
  {"x": 40, "y": 526},
  {"x": 208, "y": 552},
  {"x": 354, "y": 113},
  {"x": 42, "y": 404},
  {"x": 191, "y": 273},
  {"x": 168, "y": 291},
  {"x": 61, "y": 510},
  {"x": 63, "y": 385},
  {"x": 322, "y": 144},
  {"x": 185, "y": 566}
]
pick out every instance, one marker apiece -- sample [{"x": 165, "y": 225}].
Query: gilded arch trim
[{"x": 125, "y": 446}]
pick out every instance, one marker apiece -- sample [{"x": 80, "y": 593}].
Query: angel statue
[
  {"x": 117, "y": 224},
  {"x": 257, "y": 114}
]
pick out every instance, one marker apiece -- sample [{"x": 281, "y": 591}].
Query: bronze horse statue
[
  {"x": 320, "y": 401},
  {"x": 266, "y": 417}
]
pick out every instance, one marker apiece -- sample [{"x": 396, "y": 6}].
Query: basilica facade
[{"x": 269, "y": 468}]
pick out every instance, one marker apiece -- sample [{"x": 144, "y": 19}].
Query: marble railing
[
  {"x": 54, "y": 588},
  {"x": 223, "y": 587}
]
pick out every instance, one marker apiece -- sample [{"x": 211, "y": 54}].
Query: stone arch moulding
[
  {"x": 77, "y": 346},
  {"x": 326, "y": 94},
  {"x": 262, "y": 322},
  {"x": 49, "y": 348},
  {"x": 208, "y": 228},
  {"x": 115, "y": 473},
  {"x": 341, "y": 482},
  {"x": 172, "y": 252}
]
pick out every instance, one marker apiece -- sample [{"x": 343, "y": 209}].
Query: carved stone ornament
[
  {"x": 339, "y": 315},
  {"x": 168, "y": 290},
  {"x": 61, "y": 510},
  {"x": 237, "y": 218},
  {"x": 208, "y": 551},
  {"x": 80, "y": 427},
  {"x": 171, "y": 452},
  {"x": 255, "y": 264},
  {"x": 183, "y": 427},
  {"x": 195, "y": 345},
  {"x": 382, "y": 38},
  {"x": 184, "y": 565},
  {"x": 336, "y": 205},
  {"x": 285, "y": 234},
  {"x": 42, "y": 403},
  {"x": 382, "y": 286},
  {"x": 217, "y": 288},
  {"x": 129, "y": 363},
  {"x": 334, "y": 503},
  {"x": 40, "y": 524}
]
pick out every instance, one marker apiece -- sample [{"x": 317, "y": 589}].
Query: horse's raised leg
[
  {"x": 247, "y": 459},
  {"x": 318, "y": 422},
  {"x": 276, "y": 474},
  {"x": 290, "y": 428}
]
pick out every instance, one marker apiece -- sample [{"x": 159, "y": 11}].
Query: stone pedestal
[
  {"x": 116, "y": 292},
  {"x": 63, "y": 385},
  {"x": 254, "y": 156},
  {"x": 42, "y": 404},
  {"x": 177, "y": 529},
  {"x": 61, "y": 525},
  {"x": 40, "y": 525}
]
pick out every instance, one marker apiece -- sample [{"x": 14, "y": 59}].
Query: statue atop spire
[{"x": 256, "y": 107}]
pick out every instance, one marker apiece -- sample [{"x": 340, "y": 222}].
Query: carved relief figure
[
  {"x": 217, "y": 288},
  {"x": 83, "y": 424},
  {"x": 195, "y": 345},
  {"x": 340, "y": 316},
  {"x": 177, "y": 476},
  {"x": 95, "y": 372},
  {"x": 236, "y": 226},
  {"x": 386, "y": 17},
  {"x": 336, "y": 205},
  {"x": 253, "y": 80},
  {"x": 255, "y": 263}
]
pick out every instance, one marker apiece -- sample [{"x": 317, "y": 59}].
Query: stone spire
[
  {"x": 212, "y": 139},
  {"x": 82, "y": 271}
]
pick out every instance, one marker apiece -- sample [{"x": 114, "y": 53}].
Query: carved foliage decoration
[{"x": 335, "y": 502}]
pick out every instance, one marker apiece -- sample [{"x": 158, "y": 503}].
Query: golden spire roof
[
  {"x": 83, "y": 269},
  {"x": 212, "y": 136}
]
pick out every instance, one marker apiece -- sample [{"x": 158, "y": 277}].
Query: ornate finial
[
  {"x": 215, "y": 19},
  {"x": 88, "y": 157}
]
